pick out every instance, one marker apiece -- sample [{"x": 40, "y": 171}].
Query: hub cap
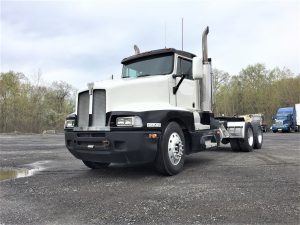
[
  {"x": 175, "y": 148},
  {"x": 250, "y": 136}
]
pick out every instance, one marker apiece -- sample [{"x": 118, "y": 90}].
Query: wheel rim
[
  {"x": 250, "y": 136},
  {"x": 259, "y": 138},
  {"x": 175, "y": 148}
]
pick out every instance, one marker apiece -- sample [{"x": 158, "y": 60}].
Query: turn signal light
[{"x": 152, "y": 136}]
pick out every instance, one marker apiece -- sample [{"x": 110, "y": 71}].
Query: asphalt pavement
[{"x": 216, "y": 186}]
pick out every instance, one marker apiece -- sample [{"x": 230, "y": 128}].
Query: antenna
[
  {"x": 182, "y": 33},
  {"x": 165, "y": 34}
]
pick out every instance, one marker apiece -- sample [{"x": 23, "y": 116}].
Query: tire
[
  {"x": 246, "y": 144},
  {"x": 235, "y": 145},
  {"x": 225, "y": 141},
  {"x": 171, "y": 150},
  {"x": 258, "y": 137},
  {"x": 95, "y": 165},
  {"x": 274, "y": 131}
]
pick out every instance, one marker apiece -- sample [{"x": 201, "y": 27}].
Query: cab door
[{"x": 186, "y": 96}]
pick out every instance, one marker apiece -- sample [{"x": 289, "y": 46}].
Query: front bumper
[
  {"x": 280, "y": 128},
  {"x": 113, "y": 146}
]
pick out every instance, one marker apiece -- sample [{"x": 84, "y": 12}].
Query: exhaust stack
[
  {"x": 204, "y": 45},
  {"x": 206, "y": 84}
]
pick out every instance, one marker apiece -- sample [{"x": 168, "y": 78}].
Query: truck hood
[{"x": 136, "y": 94}]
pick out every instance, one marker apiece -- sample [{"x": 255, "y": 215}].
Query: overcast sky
[{"x": 83, "y": 41}]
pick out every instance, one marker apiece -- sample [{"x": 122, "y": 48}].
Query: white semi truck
[{"x": 160, "y": 111}]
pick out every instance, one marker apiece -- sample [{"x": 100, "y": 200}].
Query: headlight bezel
[
  {"x": 69, "y": 123},
  {"x": 129, "y": 121}
]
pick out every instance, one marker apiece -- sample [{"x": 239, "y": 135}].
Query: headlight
[
  {"x": 130, "y": 121},
  {"x": 69, "y": 123}
]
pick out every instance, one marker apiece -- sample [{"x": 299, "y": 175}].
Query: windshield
[
  {"x": 281, "y": 117},
  {"x": 157, "y": 65}
]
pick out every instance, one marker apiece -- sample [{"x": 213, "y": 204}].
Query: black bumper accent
[{"x": 113, "y": 146}]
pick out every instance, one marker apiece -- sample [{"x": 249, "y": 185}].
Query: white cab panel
[
  {"x": 186, "y": 95},
  {"x": 147, "y": 93}
]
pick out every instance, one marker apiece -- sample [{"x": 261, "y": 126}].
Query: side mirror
[{"x": 197, "y": 68}]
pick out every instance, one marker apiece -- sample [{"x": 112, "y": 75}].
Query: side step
[{"x": 208, "y": 141}]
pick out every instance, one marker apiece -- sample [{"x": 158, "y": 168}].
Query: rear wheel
[
  {"x": 235, "y": 146},
  {"x": 95, "y": 165},
  {"x": 246, "y": 144},
  {"x": 171, "y": 152},
  {"x": 258, "y": 137}
]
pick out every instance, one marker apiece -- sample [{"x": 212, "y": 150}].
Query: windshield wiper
[{"x": 145, "y": 75}]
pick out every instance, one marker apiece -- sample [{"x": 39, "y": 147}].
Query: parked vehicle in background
[
  {"x": 285, "y": 120},
  {"x": 257, "y": 119},
  {"x": 297, "y": 109}
]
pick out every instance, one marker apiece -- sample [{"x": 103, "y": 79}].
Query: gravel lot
[{"x": 216, "y": 187}]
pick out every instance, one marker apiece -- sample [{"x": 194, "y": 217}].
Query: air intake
[
  {"x": 99, "y": 108},
  {"x": 98, "y": 117},
  {"x": 83, "y": 109}
]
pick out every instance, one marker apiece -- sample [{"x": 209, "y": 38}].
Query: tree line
[
  {"x": 255, "y": 90},
  {"x": 27, "y": 106}
]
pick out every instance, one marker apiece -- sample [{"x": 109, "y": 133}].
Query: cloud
[{"x": 80, "y": 41}]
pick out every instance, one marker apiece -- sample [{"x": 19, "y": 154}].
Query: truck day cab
[
  {"x": 286, "y": 119},
  {"x": 160, "y": 111}
]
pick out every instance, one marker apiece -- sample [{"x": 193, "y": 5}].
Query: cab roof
[{"x": 157, "y": 52}]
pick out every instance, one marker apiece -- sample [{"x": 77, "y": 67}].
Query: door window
[{"x": 184, "y": 66}]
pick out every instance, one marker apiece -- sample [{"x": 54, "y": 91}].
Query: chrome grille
[
  {"x": 97, "y": 120},
  {"x": 99, "y": 108},
  {"x": 83, "y": 109}
]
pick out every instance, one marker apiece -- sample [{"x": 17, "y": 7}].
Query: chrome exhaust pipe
[
  {"x": 206, "y": 83},
  {"x": 204, "y": 45}
]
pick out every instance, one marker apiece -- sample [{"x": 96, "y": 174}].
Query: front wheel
[{"x": 171, "y": 151}]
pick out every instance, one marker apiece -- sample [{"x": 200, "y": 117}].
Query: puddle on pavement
[
  {"x": 8, "y": 173},
  {"x": 13, "y": 173}
]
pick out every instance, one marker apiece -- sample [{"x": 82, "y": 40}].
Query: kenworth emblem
[{"x": 153, "y": 124}]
